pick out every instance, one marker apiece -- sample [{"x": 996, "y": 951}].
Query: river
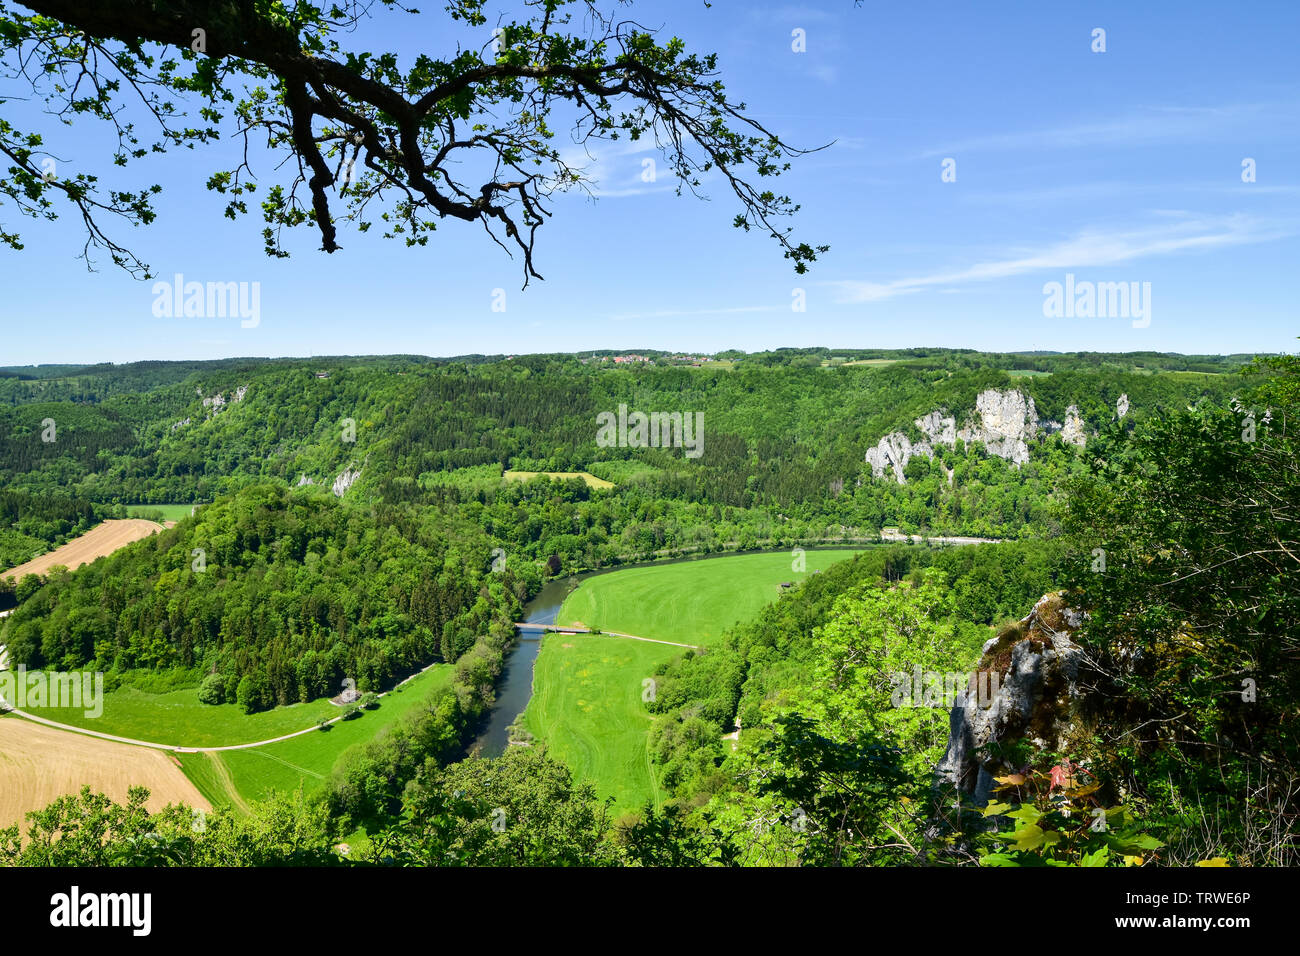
[{"x": 515, "y": 686}]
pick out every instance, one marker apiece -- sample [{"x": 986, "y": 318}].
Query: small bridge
[{"x": 559, "y": 629}]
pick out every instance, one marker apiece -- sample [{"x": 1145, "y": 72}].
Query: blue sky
[{"x": 1122, "y": 166}]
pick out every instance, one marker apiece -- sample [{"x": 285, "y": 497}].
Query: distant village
[{"x": 634, "y": 359}]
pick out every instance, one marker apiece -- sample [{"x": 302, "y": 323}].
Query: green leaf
[
  {"x": 1030, "y": 838},
  {"x": 1026, "y": 814},
  {"x": 1097, "y": 857}
]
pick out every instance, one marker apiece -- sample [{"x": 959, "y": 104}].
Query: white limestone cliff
[{"x": 1005, "y": 421}]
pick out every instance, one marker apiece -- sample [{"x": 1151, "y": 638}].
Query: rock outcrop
[
  {"x": 893, "y": 452},
  {"x": 938, "y": 430},
  {"x": 1026, "y": 688},
  {"x": 1005, "y": 421},
  {"x": 1072, "y": 431},
  {"x": 217, "y": 401},
  {"x": 345, "y": 481}
]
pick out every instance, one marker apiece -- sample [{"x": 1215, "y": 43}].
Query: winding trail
[
  {"x": 175, "y": 748},
  {"x": 227, "y": 782}
]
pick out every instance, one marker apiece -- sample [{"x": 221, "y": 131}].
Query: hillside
[{"x": 791, "y": 446}]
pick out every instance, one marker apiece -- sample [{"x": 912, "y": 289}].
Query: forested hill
[
  {"x": 785, "y": 437},
  {"x": 275, "y": 596}
]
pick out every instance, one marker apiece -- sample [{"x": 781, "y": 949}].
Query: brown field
[
  {"x": 100, "y": 540},
  {"x": 39, "y": 764}
]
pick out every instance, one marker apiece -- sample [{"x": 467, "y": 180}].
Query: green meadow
[
  {"x": 587, "y": 707},
  {"x": 591, "y": 480},
  {"x": 586, "y": 704},
  {"x": 169, "y": 512},
  {"x": 306, "y": 761},
  {"x": 691, "y": 602},
  {"x": 178, "y": 718}
]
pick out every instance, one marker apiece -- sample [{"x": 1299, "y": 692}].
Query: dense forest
[
  {"x": 1173, "y": 529},
  {"x": 785, "y": 441},
  {"x": 275, "y": 596}
]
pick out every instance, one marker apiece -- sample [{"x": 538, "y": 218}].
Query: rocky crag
[
  {"x": 1026, "y": 688},
  {"x": 1004, "y": 421}
]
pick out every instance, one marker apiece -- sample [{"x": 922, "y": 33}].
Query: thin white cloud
[
  {"x": 1153, "y": 124},
  {"x": 826, "y": 73},
  {"x": 1088, "y": 248},
  {"x": 1099, "y": 190}
]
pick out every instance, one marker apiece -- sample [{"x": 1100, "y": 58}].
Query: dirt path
[
  {"x": 151, "y": 745},
  {"x": 633, "y": 637},
  {"x": 734, "y": 736},
  {"x": 227, "y": 781},
  {"x": 104, "y": 538}
]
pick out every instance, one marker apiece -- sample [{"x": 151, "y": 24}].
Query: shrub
[{"x": 213, "y": 690}]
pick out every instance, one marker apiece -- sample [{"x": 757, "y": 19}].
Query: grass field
[
  {"x": 241, "y": 776},
  {"x": 591, "y": 480},
  {"x": 169, "y": 512},
  {"x": 209, "y": 776},
  {"x": 178, "y": 718},
  {"x": 826, "y": 363},
  {"x": 586, "y": 702},
  {"x": 692, "y": 602},
  {"x": 587, "y": 707}
]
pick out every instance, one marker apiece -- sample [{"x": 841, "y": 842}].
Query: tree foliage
[{"x": 467, "y": 134}]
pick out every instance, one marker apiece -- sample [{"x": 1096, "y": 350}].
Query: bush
[
  {"x": 246, "y": 694},
  {"x": 213, "y": 690}
]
